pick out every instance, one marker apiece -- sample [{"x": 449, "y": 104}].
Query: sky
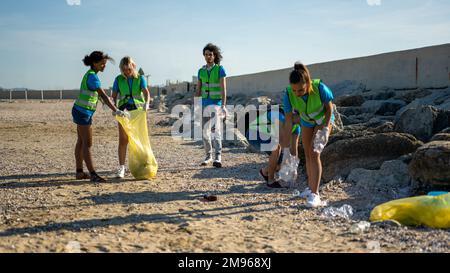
[{"x": 43, "y": 41}]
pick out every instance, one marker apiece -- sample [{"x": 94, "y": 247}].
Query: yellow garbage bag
[
  {"x": 431, "y": 211},
  {"x": 141, "y": 160}
]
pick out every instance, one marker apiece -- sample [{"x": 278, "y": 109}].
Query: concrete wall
[
  {"x": 418, "y": 68},
  {"x": 37, "y": 95}
]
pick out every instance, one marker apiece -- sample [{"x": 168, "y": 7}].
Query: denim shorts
[{"x": 82, "y": 117}]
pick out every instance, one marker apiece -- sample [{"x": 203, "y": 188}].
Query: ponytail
[
  {"x": 87, "y": 61},
  {"x": 301, "y": 75}
]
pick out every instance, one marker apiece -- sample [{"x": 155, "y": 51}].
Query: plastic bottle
[
  {"x": 320, "y": 140},
  {"x": 346, "y": 211}
]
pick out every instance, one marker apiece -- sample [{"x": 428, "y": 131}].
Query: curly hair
[
  {"x": 95, "y": 57},
  {"x": 214, "y": 49}
]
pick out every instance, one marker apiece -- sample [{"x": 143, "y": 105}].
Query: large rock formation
[
  {"x": 422, "y": 122},
  {"x": 365, "y": 151},
  {"x": 392, "y": 174},
  {"x": 431, "y": 164}
]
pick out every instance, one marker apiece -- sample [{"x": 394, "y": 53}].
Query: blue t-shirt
[
  {"x": 326, "y": 95},
  {"x": 130, "y": 84},
  {"x": 274, "y": 115},
  {"x": 93, "y": 83},
  {"x": 208, "y": 101}
]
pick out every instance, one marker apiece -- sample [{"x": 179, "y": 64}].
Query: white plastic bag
[{"x": 289, "y": 168}]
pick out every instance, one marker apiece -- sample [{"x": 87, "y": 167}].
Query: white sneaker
[
  {"x": 208, "y": 160},
  {"x": 313, "y": 201},
  {"x": 306, "y": 193},
  {"x": 121, "y": 172}
]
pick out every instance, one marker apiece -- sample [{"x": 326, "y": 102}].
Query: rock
[
  {"x": 347, "y": 87},
  {"x": 441, "y": 137},
  {"x": 371, "y": 106},
  {"x": 411, "y": 95},
  {"x": 442, "y": 121},
  {"x": 209, "y": 198},
  {"x": 345, "y": 120},
  {"x": 382, "y": 107},
  {"x": 350, "y": 111},
  {"x": 238, "y": 140},
  {"x": 392, "y": 174},
  {"x": 349, "y": 100},
  {"x": 431, "y": 164},
  {"x": 406, "y": 158},
  {"x": 264, "y": 100},
  {"x": 386, "y": 127},
  {"x": 349, "y": 132},
  {"x": 368, "y": 151},
  {"x": 390, "y": 107},
  {"x": 363, "y": 118},
  {"x": 446, "y": 130},
  {"x": 238, "y": 99},
  {"x": 418, "y": 122},
  {"x": 169, "y": 121},
  {"x": 383, "y": 94},
  {"x": 440, "y": 99},
  {"x": 248, "y": 218}
]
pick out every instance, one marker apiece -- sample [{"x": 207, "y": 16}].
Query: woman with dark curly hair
[
  {"x": 212, "y": 89},
  {"x": 84, "y": 109}
]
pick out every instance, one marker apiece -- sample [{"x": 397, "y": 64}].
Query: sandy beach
[{"x": 44, "y": 209}]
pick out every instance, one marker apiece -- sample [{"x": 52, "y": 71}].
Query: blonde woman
[{"x": 130, "y": 92}]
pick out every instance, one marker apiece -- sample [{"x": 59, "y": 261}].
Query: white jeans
[{"x": 212, "y": 124}]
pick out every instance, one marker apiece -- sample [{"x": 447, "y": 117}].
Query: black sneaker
[
  {"x": 97, "y": 179},
  {"x": 217, "y": 164}
]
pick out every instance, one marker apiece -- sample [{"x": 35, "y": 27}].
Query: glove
[{"x": 121, "y": 113}]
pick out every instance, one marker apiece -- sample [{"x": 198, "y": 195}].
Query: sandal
[
  {"x": 97, "y": 179},
  {"x": 82, "y": 176},
  {"x": 274, "y": 185},
  {"x": 266, "y": 177}
]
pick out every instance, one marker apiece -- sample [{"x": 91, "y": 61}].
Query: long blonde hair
[{"x": 127, "y": 62}]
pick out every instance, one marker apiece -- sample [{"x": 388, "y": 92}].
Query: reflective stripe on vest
[
  {"x": 265, "y": 125},
  {"x": 313, "y": 111},
  {"x": 87, "y": 99},
  {"x": 124, "y": 91},
  {"x": 211, "y": 87}
]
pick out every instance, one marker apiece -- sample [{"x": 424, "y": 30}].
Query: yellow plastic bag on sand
[
  {"x": 141, "y": 160},
  {"x": 431, "y": 211}
]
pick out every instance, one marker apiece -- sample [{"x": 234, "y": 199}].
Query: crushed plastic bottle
[
  {"x": 346, "y": 211},
  {"x": 321, "y": 140},
  {"x": 360, "y": 227},
  {"x": 289, "y": 168}
]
